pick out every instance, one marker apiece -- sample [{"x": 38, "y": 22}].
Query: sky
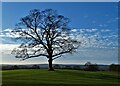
[
  {"x": 60, "y": 1},
  {"x": 94, "y": 23}
]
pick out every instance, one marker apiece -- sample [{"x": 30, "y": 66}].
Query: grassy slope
[{"x": 58, "y": 78}]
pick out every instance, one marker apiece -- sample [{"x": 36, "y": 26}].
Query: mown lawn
[{"x": 42, "y": 77}]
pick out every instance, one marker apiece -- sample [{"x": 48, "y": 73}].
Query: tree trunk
[{"x": 50, "y": 65}]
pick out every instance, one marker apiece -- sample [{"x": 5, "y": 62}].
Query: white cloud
[
  {"x": 7, "y": 48},
  {"x": 95, "y": 55},
  {"x": 111, "y": 36},
  {"x": 105, "y": 30},
  {"x": 88, "y": 30},
  {"x": 74, "y": 30},
  {"x": 91, "y": 30},
  {"x": 88, "y": 37},
  {"x": 94, "y": 29},
  {"x": 8, "y": 30},
  {"x": 94, "y": 47}
]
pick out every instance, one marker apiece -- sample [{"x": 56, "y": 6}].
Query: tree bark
[{"x": 50, "y": 65}]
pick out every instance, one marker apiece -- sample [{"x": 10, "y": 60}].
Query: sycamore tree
[{"x": 44, "y": 34}]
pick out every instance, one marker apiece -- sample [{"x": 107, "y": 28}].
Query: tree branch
[
  {"x": 35, "y": 56},
  {"x": 57, "y": 57}
]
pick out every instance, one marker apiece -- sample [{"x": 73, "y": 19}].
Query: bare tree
[{"x": 44, "y": 33}]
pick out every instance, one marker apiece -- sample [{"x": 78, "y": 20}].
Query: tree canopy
[{"x": 44, "y": 33}]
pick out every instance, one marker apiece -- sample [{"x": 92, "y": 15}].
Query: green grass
[{"x": 59, "y": 78}]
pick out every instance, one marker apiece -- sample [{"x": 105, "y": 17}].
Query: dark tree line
[{"x": 91, "y": 67}]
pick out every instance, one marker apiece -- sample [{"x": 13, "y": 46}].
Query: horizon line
[{"x": 53, "y": 64}]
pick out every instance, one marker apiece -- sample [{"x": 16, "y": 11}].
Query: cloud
[
  {"x": 8, "y": 30},
  {"x": 97, "y": 46},
  {"x": 105, "y": 30},
  {"x": 74, "y": 30},
  {"x": 98, "y": 38},
  {"x": 89, "y": 37},
  {"x": 94, "y": 55},
  {"x": 7, "y": 48},
  {"x": 90, "y": 30},
  {"x": 8, "y": 33}
]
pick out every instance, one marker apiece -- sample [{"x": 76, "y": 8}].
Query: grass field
[{"x": 42, "y": 77}]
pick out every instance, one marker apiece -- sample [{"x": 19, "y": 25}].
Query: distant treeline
[
  {"x": 87, "y": 67},
  {"x": 91, "y": 67},
  {"x": 13, "y": 67}
]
